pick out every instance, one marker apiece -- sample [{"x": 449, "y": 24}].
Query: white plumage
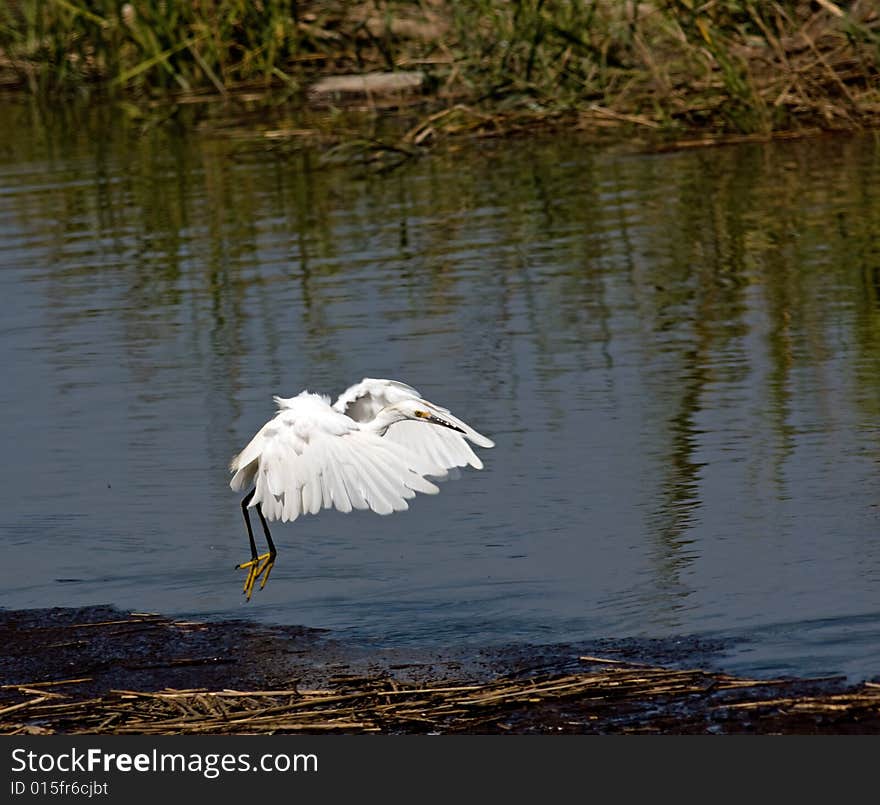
[
  {"x": 443, "y": 447},
  {"x": 374, "y": 448}
]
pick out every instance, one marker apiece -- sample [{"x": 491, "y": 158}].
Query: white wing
[
  {"x": 364, "y": 400},
  {"x": 441, "y": 447},
  {"x": 311, "y": 457}
]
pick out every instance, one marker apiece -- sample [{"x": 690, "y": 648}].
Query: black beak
[{"x": 437, "y": 421}]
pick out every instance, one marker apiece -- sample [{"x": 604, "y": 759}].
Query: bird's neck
[{"x": 380, "y": 423}]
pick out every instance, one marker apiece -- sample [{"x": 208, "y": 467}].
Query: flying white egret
[{"x": 372, "y": 449}]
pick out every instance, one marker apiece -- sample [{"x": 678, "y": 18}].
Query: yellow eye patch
[{"x": 422, "y": 414}]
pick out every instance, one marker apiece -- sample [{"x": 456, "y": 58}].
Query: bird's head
[{"x": 415, "y": 409}]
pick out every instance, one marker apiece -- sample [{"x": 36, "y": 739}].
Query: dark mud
[{"x": 61, "y": 670}]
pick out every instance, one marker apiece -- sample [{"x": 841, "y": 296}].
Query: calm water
[{"x": 678, "y": 356}]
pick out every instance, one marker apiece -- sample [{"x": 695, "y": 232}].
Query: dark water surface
[{"x": 678, "y": 356}]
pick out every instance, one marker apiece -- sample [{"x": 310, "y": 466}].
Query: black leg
[
  {"x": 247, "y": 521},
  {"x": 259, "y": 566},
  {"x": 272, "y": 551}
]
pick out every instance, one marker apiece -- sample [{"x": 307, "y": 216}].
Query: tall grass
[
  {"x": 737, "y": 65},
  {"x": 153, "y": 45}
]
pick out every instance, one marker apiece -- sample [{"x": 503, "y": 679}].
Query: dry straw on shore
[{"x": 615, "y": 696}]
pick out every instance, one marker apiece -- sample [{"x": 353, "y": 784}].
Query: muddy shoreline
[{"x": 102, "y": 670}]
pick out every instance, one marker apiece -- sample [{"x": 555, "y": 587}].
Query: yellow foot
[{"x": 261, "y": 566}]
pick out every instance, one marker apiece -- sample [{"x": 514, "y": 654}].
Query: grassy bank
[{"x": 725, "y": 66}]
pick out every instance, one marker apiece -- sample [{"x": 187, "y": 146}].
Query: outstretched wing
[
  {"x": 364, "y": 400},
  {"x": 311, "y": 457},
  {"x": 441, "y": 447}
]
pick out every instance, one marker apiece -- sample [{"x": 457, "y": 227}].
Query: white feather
[
  {"x": 312, "y": 455},
  {"x": 442, "y": 448}
]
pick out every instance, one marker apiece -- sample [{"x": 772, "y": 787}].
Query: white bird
[{"x": 374, "y": 448}]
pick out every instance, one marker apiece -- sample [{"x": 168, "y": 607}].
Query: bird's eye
[{"x": 422, "y": 414}]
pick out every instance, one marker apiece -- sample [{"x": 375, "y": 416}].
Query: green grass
[{"x": 739, "y": 66}]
